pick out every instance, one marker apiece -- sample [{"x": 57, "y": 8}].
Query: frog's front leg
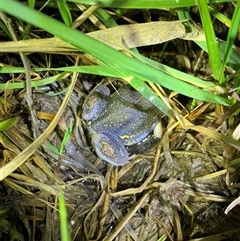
[{"x": 110, "y": 148}]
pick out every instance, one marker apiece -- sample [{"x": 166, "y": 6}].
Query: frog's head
[
  {"x": 95, "y": 102},
  {"x": 110, "y": 148}
]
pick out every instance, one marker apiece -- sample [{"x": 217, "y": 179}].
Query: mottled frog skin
[{"x": 115, "y": 121}]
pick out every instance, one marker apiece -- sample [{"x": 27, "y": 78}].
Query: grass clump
[{"x": 182, "y": 57}]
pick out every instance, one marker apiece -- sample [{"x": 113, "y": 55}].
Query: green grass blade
[
  {"x": 234, "y": 58},
  {"x": 5, "y": 30},
  {"x": 212, "y": 44},
  {"x": 149, "y": 4},
  {"x": 31, "y": 3},
  {"x": 107, "y": 19},
  {"x": 8, "y": 123},
  {"x": 232, "y": 33},
  {"x": 180, "y": 76},
  {"x": 221, "y": 17},
  {"x": 65, "y": 12},
  {"x": 237, "y": 83},
  {"x": 65, "y": 234},
  {"x": 34, "y": 84},
  {"x": 66, "y": 137}
]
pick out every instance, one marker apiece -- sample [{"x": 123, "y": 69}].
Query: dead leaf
[{"x": 120, "y": 37}]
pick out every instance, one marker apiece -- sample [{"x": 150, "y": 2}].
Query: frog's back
[
  {"x": 129, "y": 115},
  {"x": 132, "y": 96}
]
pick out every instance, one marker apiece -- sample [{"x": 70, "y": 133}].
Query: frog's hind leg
[{"x": 110, "y": 148}]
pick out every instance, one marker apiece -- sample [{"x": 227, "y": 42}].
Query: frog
[{"x": 117, "y": 121}]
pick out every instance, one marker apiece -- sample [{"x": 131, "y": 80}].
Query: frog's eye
[
  {"x": 95, "y": 102},
  {"x": 110, "y": 148}
]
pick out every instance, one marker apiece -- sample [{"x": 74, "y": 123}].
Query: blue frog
[{"x": 116, "y": 121}]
